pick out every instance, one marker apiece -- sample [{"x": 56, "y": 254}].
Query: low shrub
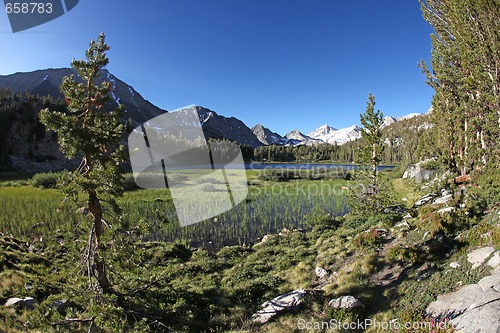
[
  {"x": 46, "y": 180},
  {"x": 369, "y": 238}
]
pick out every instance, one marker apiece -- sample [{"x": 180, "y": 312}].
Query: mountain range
[{"x": 138, "y": 110}]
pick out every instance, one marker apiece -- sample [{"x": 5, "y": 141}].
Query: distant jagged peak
[
  {"x": 408, "y": 116},
  {"x": 322, "y": 130}
]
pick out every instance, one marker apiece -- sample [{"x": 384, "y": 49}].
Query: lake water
[{"x": 308, "y": 166}]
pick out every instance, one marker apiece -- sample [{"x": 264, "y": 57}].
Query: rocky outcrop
[
  {"x": 419, "y": 173},
  {"x": 282, "y": 303},
  {"x": 26, "y": 303},
  {"x": 474, "y": 308},
  {"x": 267, "y": 137},
  {"x": 320, "y": 272},
  {"x": 479, "y": 256},
  {"x": 347, "y": 302}
]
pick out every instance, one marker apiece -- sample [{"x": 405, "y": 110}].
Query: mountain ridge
[{"x": 47, "y": 82}]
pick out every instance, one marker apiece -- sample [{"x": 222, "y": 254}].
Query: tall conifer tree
[
  {"x": 88, "y": 130},
  {"x": 372, "y": 132}
]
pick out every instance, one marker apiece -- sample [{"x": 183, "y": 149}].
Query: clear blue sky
[{"x": 283, "y": 63}]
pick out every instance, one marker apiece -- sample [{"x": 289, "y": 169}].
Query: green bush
[
  {"x": 486, "y": 194},
  {"x": 129, "y": 182},
  {"x": 46, "y": 180},
  {"x": 320, "y": 221}
]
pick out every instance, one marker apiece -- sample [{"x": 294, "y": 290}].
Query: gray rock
[
  {"x": 454, "y": 264},
  {"x": 420, "y": 174},
  {"x": 446, "y": 210},
  {"x": 62, "y": 305},
  {"x": 445, "y": 192},
  {"x": 443, "y": 200},
  {"x": 347, "y": 302},
  {"x": 473, "y": 308},
  {"x": 282, "y": 303},
  {"x": 320, "y": 272},
  {"x": 27, "y": 302},
  {"x": 396, "y": 209},
  {"x": 403, "y": 225},
  {"x": 424, "y": 200},
  {"x": 479, "y": 256},
  {"x": 264, "y": 239},
  {"x": 494, "y": 262}
]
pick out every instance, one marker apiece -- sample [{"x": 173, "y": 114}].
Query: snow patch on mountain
[
  {"x": 388, "y": 121},
  {"x": 322, "y": 131},
  {"x": 331, "y": 135},
  {"x": 408, "y": 116}
]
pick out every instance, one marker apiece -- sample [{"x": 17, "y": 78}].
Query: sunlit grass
[{"x": 268, "y": 208}]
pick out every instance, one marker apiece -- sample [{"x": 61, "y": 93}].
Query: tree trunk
[
  {"x": 374, "y": 166},
  {"x": 98, "y": 264}
]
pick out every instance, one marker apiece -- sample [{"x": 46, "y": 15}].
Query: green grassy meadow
[{"x": 269, "y": 207}]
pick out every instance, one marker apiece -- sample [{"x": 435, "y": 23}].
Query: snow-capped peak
[
  {"x": 389, "y": 121},
  {"x": 331, "y": 135},
  {"x": 408, "y": 116},
  {"x": 321, "y": 131}
]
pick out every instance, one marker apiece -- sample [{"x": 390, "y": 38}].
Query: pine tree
[
  {"x": 88, "y": 130},
  {"x": 466, "y": 78},
  {"x": 372, "y": 122}
]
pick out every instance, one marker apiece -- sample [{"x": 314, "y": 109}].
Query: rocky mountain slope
[
  {"x": 47, "y": 82},
  {"x": 267, "y": 137},
  {"x": 220, "y": 127}
]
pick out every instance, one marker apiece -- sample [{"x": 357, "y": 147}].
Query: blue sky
[{"x": 283, "y": 63}]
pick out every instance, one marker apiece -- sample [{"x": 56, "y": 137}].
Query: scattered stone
[
  {"x": 403, "y": 225},
  {"x": 320, "y": 272},
  {"x": 62, "y": 305},
  {"x": 445, "y": 192},
  {"x": 477, "y": 257},
  {"x": 285, "y": 302},
  {"x": 446, "y": 210},
  {"x": 396, "y": 209},
  {"x": 404, "y": 199},
  {"x": 494, "y": 262},
  {"x": 266, "y": 238},
  {"x": 486, "y": 235},
  {"x": 284, "y": 232},
  {"x": 473, "y": 308},
  {"x": 443, "y": 200},
  {"x": 407, "y": 217},
  {"x": 424, "y": 200},
  {"x": 27, "y": 302},
  {"x": 454, "y": 264},
  {"x": 347, "y": 302}
]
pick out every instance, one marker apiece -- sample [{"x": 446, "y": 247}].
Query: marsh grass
[{"x": 268, "y": 208}]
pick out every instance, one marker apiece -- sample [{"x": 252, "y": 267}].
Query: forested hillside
[{"x": 405, "y": 142}]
